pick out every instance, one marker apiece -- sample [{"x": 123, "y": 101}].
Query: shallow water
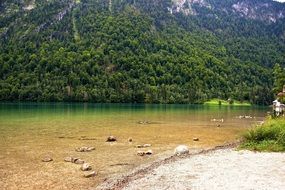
[{"x": 29, "y": 132}]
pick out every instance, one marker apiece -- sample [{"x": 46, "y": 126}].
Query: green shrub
[{"x": 268, "y": 137}]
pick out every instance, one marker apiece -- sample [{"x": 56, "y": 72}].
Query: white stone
[{"x": 181, "y": 149}]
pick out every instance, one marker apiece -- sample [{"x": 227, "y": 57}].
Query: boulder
[
  {"x": 90, "y": 174},
  {"x": 130, "y": 140},
  {"x": 86, "y": 167},
  {"x": 195, "y": 139},
  {"x": 181, "y": 150},
  {"x": 111, "y": 139},
  {"x": 47, "y": 159}
]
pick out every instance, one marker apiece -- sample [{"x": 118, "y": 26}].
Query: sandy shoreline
[{"x": 219, "y": 168}]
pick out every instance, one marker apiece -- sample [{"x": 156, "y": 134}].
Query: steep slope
[{"x": 162, "y": 51}]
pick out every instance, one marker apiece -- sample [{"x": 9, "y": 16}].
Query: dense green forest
[{"x": 135, "y": 51}]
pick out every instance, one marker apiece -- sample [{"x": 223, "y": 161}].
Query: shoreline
[{"x": 122, "y": 180}]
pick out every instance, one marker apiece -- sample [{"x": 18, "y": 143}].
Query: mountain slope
[{"x": 162, "y": 51}]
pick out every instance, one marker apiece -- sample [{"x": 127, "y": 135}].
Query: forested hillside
[{"x": 152, "y": 51}]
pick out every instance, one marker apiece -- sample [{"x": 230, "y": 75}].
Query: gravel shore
[{"x": 220, "y": 169}]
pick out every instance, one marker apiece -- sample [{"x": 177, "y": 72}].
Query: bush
[{"x": 268, "y": 137}]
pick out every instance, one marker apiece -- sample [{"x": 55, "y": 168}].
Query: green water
[{"x": 29, "y": 131}]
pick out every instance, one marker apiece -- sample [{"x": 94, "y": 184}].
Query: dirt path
[{"x": 221, "y": 169}]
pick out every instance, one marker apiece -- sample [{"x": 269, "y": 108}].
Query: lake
[{"x": 31, "y": 131}]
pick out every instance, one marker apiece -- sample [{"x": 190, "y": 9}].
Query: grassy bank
[
  {"x": 268, "y": 137},
  {"x": 226, "y": 103}
]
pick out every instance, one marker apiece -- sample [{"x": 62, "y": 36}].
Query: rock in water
[
  {"x": 143, "y": 146},
  {"x": 91, "y": 174},
  {"x": 140, "y": 153},
  {"x": 195, "y": 139},
  {"x": 146, "y": 145},
  {"x": 111, "y": 139},
  {"x": 77, "y": 161},
  {"x": 86, "y": 167},
  {"x": 68, "y": 159},
  {"x": 84, "y": 149},
  {"x": 47, "y": 159},
  {"x": 130, "y": 140},
  {"x": 149, "y": 152},
  {"x": 181, "y": 149},
  {"x": 90, "y": 148}
]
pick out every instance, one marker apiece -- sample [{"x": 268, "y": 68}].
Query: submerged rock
[
  {"x": 140, "y": 153},
  {"x": 83, "y": 138},
  {"x": 181, "y": 150},
  {"x": 217, "y": 120},
  {"x": 245, "y": 117},
  {"x": 195, "y": 139},
  {"x": 68, "y": 159},
  {"x": 77, "y": 161},
  {"x": 91, "y": 174},
  {"x": 149, "y": 152},
  {"x": 111, "y": 139},
  {"x": 84, "y": 149},
  {"x": 90, "y": 148},
  {"x": 73, "y": 160},
  {"x": 146, "y": 145},
  {"x": 86, "y": 167},
  {"x": 47, "y": 159},
  {"x": 143, "y": 146},
  {"x": 143, "y": 153}
]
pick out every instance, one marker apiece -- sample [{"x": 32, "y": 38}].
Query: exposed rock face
[
  {"x": 264, "y": 10},
  {"x": 186, "y": 6},
  {"x": 181, "y": 150},
  {"x": 260, "y": 11},
  {"x": 56, "y": 18}
]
